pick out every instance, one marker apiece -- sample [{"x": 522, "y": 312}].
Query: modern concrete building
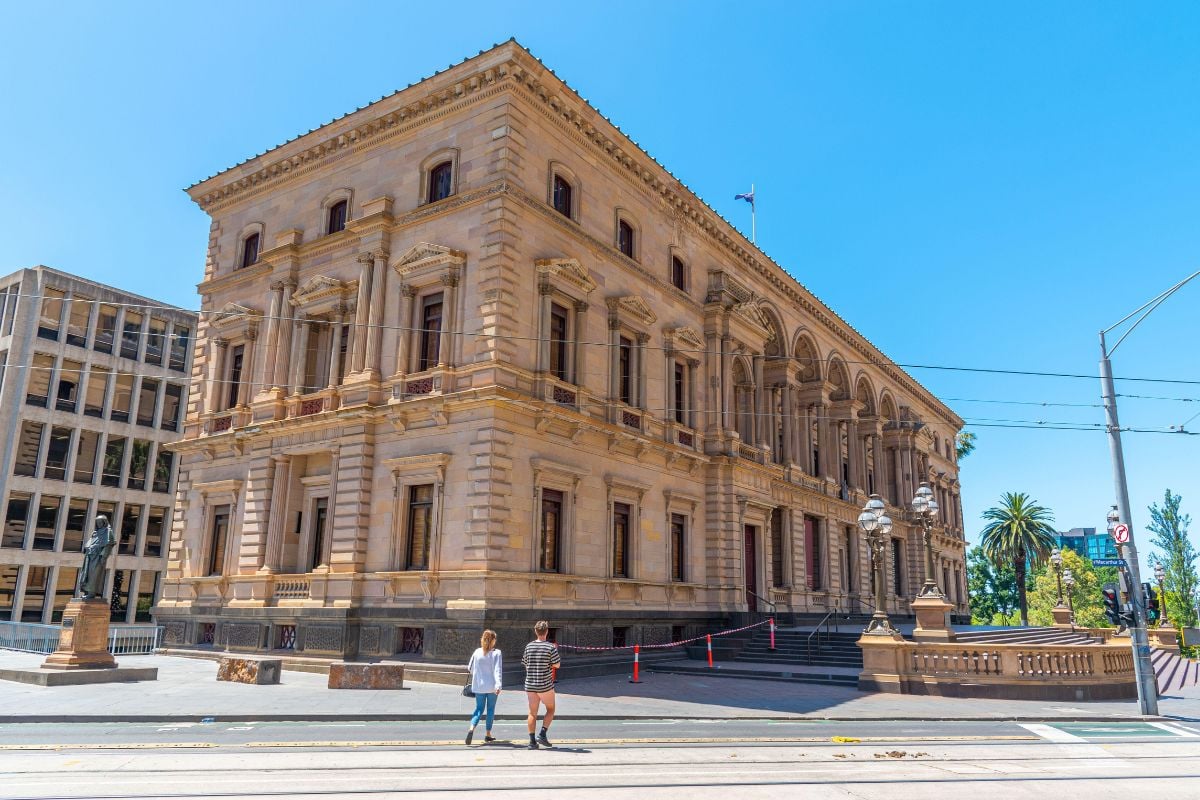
[
  {"x": 93, "y": 382},
  {"x": 473, "y": 358}
]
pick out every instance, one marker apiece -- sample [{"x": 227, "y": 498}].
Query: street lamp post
[
  {"x": 1068, "y": 579},
  {"x": 925, "y": 507},
  {"x": 876, "y": 524},
  {"x": 1057, "y": 560},
  {"x": 1160, "y": 575},
  {"x": 1143, "y": 669}
]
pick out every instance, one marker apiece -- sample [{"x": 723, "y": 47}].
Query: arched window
[
  {"x": 678, "y": 273},
  {"x": 440, "y": 181},
  {"x": 625, "y": 237},
  {"x": 336, "y": 219},
  {"x": 562, "y": 195},
  {"x": 250, "y": 247}
]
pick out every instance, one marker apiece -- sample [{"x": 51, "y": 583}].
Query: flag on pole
[{"x": 748, "y": 197}]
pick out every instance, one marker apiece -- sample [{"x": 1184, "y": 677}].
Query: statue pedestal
[
  {"x": 84, "y": 640},
  {"x": 933, "y": 619},
  {"x": 1062, "y": 617}
]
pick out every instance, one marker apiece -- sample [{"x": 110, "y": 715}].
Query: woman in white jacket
[{"x": 487, "y": 668}]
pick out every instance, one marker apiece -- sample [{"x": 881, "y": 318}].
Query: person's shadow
[{"x": 509, "y": 744}]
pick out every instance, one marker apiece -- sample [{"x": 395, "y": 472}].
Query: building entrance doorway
[{"x": 750, "y": 566}]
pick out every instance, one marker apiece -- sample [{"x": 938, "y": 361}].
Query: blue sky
[{"x": 977, "y": 185}]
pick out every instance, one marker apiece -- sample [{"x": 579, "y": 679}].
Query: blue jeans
[{"x": 481, "y": 700}]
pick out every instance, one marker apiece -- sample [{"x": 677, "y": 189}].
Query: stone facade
[
  {"x": 93, "y": 381},
  {"x": 497, "y": 365}
]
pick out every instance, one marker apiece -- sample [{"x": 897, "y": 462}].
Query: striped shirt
[{"x": 538, "y": 659}]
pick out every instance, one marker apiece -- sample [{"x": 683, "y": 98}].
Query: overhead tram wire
[{"x": 680, "y": 350}]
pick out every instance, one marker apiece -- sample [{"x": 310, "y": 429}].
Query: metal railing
[
  {"x": 822, "y": 630},
  {"x": 764, "y": 601},
  {"x": 30, "y": 637}
]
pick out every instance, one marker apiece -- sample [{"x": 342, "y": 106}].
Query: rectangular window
[
  {"x": 66, "y": 394},
  {"x": 57, "y": 453},
  {"x": 77, "y": 321},
  {"x": 562, "y": 196},
  {"x": 122, "y": 398},
  {"x": 47, "y": 522},
  {"x": 139, "y": 457},
  {"x": 250, "y": 250},
  {"x": 9, "y": 300},
  {"x": 625, "y": 238},
  {"x": 131, "y": 334},
  {"x": 73, "y": 533},
  {"x": 114, "y": 454},
  {"x": 129, "y": 530},
  {"x": 558, "y": 341},
  {"x": 320, "y": 522},
  {"x": 624, "y": 370},
  {"x": 8, "y": 589},
  {"x": 172, "y": 404},
  {"x": 16, "y": 520},
  {"x": 678, "y": 273},
  {"x": 147, "y": 403},
  {"x": 29, "y": 449},
  {"x": 147, "y": 588},
  {"x": 336, "y": 221},
  {"x": 431, "y": 332},
  {"x": 119, "y": 604},
  {"x": 180, "y": 341},
  {"x": 440, "y": 181},
  {"x": 678, "y": 549},
  {"x": 41, "y": 372},
  {"x": 812, "y": 550},
  {"x": 156, "y": 524},
  {"x": 218, "y": 534},
  {"x": 51, "y": 316},
  {"x": 164, "y": 463},
  {"x": 551, "y": 538},
  {"x": 64, "y": 590},
  {"x": 679, "y": 376},
  {"x": 777, "y": 554},
  {"x": 106, "y": 329},
  {"x": 97, "y": 387},
  {"x": 85, "y": 457},
  {"x": 156, "y": 339},
  {"x": 420, "y": 526},
  {"x": 237, "y": 355},
  {"x": 897, "y": 572},
  {"x": 36, "y": 579},
  {"x": 620, "y": 562}
]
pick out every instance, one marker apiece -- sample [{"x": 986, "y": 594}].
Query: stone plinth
[
  {"x": 247, "y": 669},
  {"x": 79, "y": 677},
  {"x": 933, "y": 619},
  {"x": 1062, "y": 617},
  {"x": 346, "y": 675},
  {"x": 83, "y": 643}
]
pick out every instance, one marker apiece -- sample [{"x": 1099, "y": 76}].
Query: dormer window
[
  {"x": 562, "y": 195},
  {"x": 250, "y": 250},
  {"x": 441, "y": 181},
  {"x": 625, "y": 237},
  {"x": 336, "y": 219}
]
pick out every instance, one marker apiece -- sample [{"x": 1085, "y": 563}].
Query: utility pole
[{"x": 1143, "y": 669}]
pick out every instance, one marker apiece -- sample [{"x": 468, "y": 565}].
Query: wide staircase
[
  {"x": 1173, "y": 671},
  {"x": 1026, "y": 636}
]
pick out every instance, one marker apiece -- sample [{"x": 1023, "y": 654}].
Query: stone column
[
  {"x": 216, "y": 365},
  {"x": 578, "y": 350},
  {"x": 362, "y": 313},
  {"x": 277, "y": 514},
  {"x": 335, "y": 346},
  {"x": 614, "y": 361},
  {"x": 789, "y": 425},
  {"x": 250, "y": 366},
  {"x": 256, "y": 515},
  {"x": 283, "y": 350},
  {"x": 407, "y": 293},
  {"x": 828, "y": 454},
  {"x": 639, "y": 373},
  {"x": 806, "y": 441},
  {"x": 544, "y": 303},
  {"x": 266, "y": 377},
  {"x": 669, "y": 386},
  {"x": 728, "y": 396},
  {"x": 880, "y": 464},
  {"x": 298, "y": 362},
  {"x": 759, "y": 408},
  {"x": 853, "y": 457},
  {"x": 375, "y": 335}
]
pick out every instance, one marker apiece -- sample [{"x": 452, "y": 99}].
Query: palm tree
[{"x": 1018, "y": 532}]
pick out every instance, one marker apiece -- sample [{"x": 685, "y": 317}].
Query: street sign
[
  {"x": 1121, "y": 533},
  {"x": 1109, "y": 562}
]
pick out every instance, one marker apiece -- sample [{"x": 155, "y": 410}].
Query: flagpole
[{"x": 752, "y": 200}]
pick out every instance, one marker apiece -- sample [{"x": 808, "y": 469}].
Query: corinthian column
[
  {"x": 358, "y": 357},
  {"x": 277, "y": 514},
  {"x": 375, "y": 335},
  {"x": 266, "y": 368}
]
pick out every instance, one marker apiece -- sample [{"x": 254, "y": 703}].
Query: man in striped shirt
[{"x": 540, "y": 659}]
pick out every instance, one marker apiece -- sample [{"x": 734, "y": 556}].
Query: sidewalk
[{"x": 187, "y": 690}]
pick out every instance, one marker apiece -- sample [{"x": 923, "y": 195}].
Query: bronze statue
[{"x": 95, "y": 554}]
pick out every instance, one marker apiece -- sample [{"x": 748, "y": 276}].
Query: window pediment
[
  {"x": 320, "y": 294},
  {"x": 752, "y": 313},
  {"x": 686, "y": 335},
  {"x": 633, "y": 306},
  {"x": 567, "y": 270},
  {"x": 424, "y": 258},
  {"x": 234, "y": 318}
]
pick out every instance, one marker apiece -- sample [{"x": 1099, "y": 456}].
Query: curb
[{"x": 26, "y": 719}]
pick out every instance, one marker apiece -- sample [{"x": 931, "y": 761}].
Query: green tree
[
  {"x": 1086, "y": 597},
  {"x": 1019, "y": 532},
  {"x": 964, "y": 444},
  {"x": 992, "y": 589},
  {"x": 1178, "y": 557}
]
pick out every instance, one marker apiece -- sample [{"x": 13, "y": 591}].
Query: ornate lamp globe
[
  {"x": 932, "y": 508},
  {"x": 885, "y": 525},
  {"x": 868, "y": 521},
  {"x": 1056, "y": 557},
  {"x": 1113, "y": 518}
]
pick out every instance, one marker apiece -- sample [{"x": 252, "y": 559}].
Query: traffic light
[
  {"x": 1112, "y": 604},
  {"x": 1152, "y": 607}
]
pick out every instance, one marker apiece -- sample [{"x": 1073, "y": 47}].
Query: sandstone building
[
  {"x": 92, "y": 388},
  {"x": 467, "y": 356}
]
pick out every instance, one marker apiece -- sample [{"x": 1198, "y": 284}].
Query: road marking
[
  {"x": 663, "y": 722},
  {"x": 1052, "y": 734},
  {"x": 1178, "y": 730}
]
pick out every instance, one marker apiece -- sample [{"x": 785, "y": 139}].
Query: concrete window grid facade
[
  {"x": 788, "y": 407},
  {"x": 59, "y": 473}
]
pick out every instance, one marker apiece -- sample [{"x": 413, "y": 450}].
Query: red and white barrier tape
[{"x": 662, "y": 646}]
